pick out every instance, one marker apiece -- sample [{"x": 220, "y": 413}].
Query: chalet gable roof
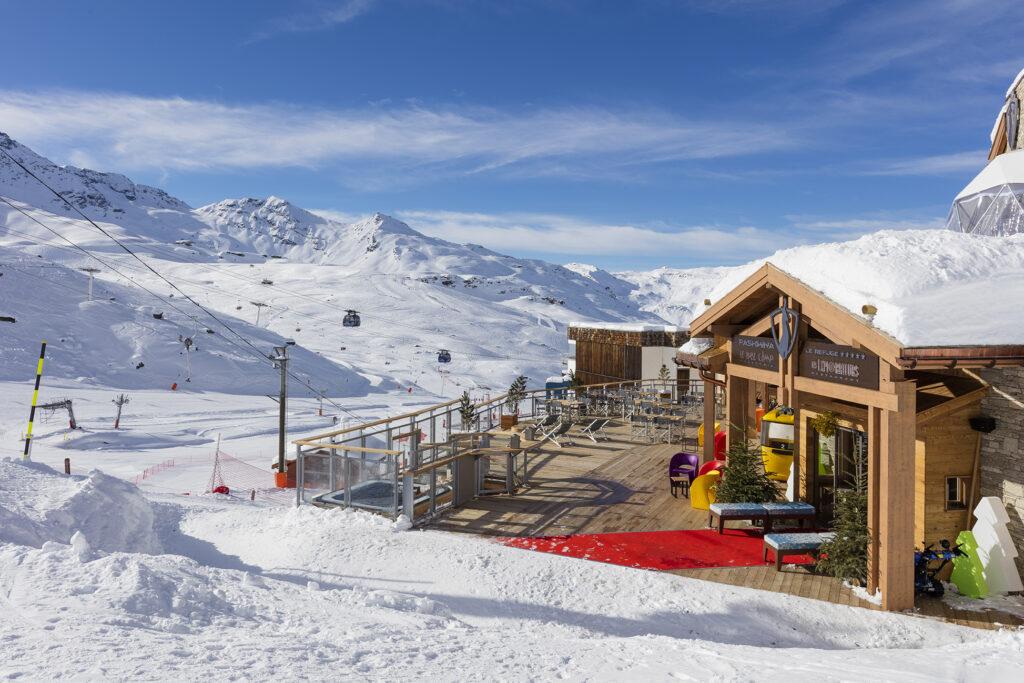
[{"x": 746, "y": 308}]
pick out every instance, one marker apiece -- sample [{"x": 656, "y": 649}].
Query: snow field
[{"x": 216, "y": 586}]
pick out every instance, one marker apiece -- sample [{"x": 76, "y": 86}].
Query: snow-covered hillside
[
  {"x": 297, "y": 273},
  {"x": 128, "y": 339},
  {"x": 677, "y": 294}
]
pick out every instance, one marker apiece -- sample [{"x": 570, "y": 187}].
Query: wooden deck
[{"x": 618, "y": 486}]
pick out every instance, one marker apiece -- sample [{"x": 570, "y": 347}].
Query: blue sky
[{"x": 630, "y": 135}]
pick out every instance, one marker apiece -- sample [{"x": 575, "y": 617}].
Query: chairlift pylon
[{"x": 351, "y": 319}]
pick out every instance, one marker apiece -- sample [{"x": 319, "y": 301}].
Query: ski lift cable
[
  {"x": 372, "y": 316},
  {"x": 254, "y": 348},
  {"x": 280, "y": 310},
  {"x": 128, "y": 250}
]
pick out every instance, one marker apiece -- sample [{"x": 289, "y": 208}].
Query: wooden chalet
[{"x": 922, "y": 414}]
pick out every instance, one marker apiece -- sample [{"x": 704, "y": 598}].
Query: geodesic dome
[{"x": 993, "y": 203}]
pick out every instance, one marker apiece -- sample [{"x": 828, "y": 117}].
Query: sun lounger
[
  {"x": 794, "y": 544},
  {"x": 547, "y": 422},
  {"x": 768, "y": 513},
  {"x": 557, "y": 432},
  {"x": 595, "y": 430}
]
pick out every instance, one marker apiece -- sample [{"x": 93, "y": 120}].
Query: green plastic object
[{"x": 967, "y": 573}]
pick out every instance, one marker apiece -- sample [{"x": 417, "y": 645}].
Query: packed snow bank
[
  {"x": 269, "y": 594},
  {"x": 39, "y": 505}
]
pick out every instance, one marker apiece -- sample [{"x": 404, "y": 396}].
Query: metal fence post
[
  {"x": 346, "y": 478},
  {"x": 299, "y": 475}
]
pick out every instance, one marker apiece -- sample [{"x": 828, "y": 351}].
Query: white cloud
[
  {"x": 335, "y": 14},
  {"x": 956, "y": 163},
  {"x": 577, "y": 238},
  {"x": 538, "y": 233},
  {"x": 340, "y": 216},
  {"x": 129, "y": 132}
]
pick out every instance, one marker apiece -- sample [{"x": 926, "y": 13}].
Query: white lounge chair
[
  {"x": 595, "y": 430},
  {"x": 558, "y": 432}
]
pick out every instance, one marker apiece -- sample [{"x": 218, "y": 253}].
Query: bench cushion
[
  {"x": 796, "y": 542},
  {"x": 738, "y": 510},
  {"x": 796, "y": 509}
]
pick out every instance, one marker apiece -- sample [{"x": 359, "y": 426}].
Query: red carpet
[{"x": 694, "y": 549}]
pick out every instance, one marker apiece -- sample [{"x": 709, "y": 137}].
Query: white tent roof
[{"x": 1005, "y": 169}]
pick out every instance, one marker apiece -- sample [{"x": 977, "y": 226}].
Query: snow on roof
[
  {"x": 1002, "y": 110},
  {"x": 696, "y": 345},
  {"x": 931, "y": 287},
  {"x": 1014, "y": 82},
  {"x": 628, "y": 327},
  {"x": 1005, "y": 169}
]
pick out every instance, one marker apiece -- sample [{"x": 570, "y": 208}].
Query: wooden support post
[
  {"x": 896, "y": 500},
  {"x": 806, "y": 466},
  {"x": 736, "y": 399},
  {"x": 874, "y": 464},
  {"x": 799, "y": 442},
  {"x": 709, "y": 423}
]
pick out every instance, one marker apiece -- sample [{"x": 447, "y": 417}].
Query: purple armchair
[{"x": 683, "y": 464}]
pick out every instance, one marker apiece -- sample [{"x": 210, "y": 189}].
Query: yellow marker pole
[{"x": 35, "y": 399}]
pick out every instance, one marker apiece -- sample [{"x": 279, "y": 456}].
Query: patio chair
[
  {"x": 684, "y": 463},
  {"x": 595, "y": 430},
  {"x": 662, "y": 430},
  {"x": 557, "y": 433},
  {"x": 638, "y": 427},
  {"x": 682, "y": 470}
]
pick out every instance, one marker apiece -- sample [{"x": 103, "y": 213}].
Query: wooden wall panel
[
  {"x": 599, "y": 363},
  {"x": 945, "y": 449}
]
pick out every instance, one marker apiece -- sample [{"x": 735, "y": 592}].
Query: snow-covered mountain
[
  {"x": 677, "y": 294},
  {"x": 297, "y": 273}
]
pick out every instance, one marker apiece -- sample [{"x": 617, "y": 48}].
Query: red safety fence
[
  {"x": 246, "y": 481},
  {"x": 151, "y": 470}
]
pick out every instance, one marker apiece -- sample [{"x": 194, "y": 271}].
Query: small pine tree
[
  {"x": 663, "y": 374},
  {"x": 467, "y": 412},
  {"x": 846, "y": 555},
  {"x": 744, "y": 479},
  {"x": 516, "y": 393}
]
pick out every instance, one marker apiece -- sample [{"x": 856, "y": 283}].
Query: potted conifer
[
  {"x": 516, "y": 394},
  {"x": 467, "y": 413}
]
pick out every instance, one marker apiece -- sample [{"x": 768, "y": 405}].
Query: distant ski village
[{"x": 257, "y": 441}]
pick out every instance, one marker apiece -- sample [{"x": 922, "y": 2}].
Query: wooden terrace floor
[{"x": 619, "y": 486}]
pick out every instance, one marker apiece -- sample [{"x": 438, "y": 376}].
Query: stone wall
[{"x": 1002, "y": 451}]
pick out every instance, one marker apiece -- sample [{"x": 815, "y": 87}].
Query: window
[{"x": 956, "y": 492}]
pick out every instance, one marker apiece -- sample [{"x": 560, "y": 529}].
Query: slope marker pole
[{"x": 35, "y": 400}]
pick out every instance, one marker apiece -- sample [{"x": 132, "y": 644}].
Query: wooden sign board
[
  {"x": 755, "y": 352},
  {"x": 839, "y": 364}
]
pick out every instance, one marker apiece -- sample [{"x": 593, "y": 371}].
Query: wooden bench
[
  {"x": 767, "y": 513},
  {"x": 751, "y": 512},
  {"x": 794, "y": 544}
]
